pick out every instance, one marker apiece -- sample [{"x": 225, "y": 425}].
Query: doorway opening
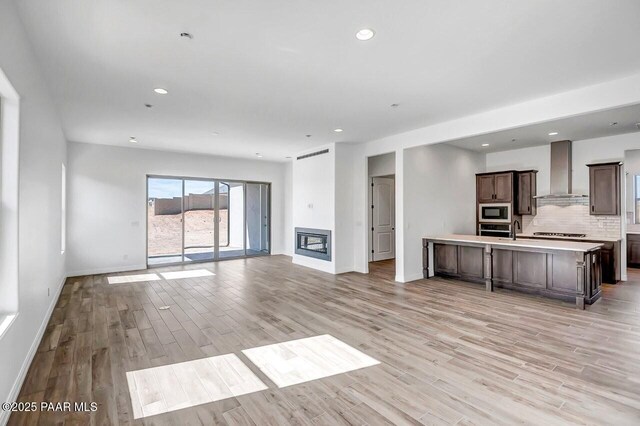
[
  {"x": 382, "y": 212},
  {"x": 203, "y": 220}
]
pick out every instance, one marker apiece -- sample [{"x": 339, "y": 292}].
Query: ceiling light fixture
[
  {"x": 160, "y": 91},
  {"x": 133, "y": 139},
  {"x": 338, "y": 130},
  {"x": 485, "y": 144},
  {"x": 553, "y": 133},
  {"x": 365, "y": 34}
]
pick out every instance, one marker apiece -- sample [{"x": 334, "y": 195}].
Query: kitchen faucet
[{"x": 513, "y": 231}]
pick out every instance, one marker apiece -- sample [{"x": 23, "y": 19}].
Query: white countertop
[
  {"x": 507, "y": 242},
  {"x": 586, "y": 238}
]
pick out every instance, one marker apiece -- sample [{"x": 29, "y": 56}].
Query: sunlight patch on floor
[
  {"x": 303, "y": 360},
  {"x": 176, "y": 386},
  {"x": 194, "y": 273},
  {"x": 122, "y": 279}
]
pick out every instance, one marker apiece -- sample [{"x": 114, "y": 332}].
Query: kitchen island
[{"x": 565, "y": 270}]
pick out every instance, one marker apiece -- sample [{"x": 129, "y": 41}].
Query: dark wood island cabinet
[{"x": 559, "y": 269}]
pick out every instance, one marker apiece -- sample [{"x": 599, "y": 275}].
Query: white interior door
[{"x": 383, "y": 215}]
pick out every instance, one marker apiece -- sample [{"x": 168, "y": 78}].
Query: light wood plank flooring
[{"x": 450, "y": 353}]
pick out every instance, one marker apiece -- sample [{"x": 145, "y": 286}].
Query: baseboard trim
[
  {"x": 408, "y": 278},
  {"x": 110, "y": 270},
  {"x": 17, "y": 385}
]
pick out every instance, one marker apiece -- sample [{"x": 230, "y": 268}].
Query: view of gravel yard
[{"x": 165, "y": 232}]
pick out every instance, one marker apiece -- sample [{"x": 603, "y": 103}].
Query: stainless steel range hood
[{"x": 561, "y": 172}]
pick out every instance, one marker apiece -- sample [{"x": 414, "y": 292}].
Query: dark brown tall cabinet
[
  {"x": 526, "y": 203},
  {"x": 633, "y": 250},
  {"x": 604, "y": 189}
]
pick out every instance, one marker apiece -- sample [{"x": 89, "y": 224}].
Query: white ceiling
[
  {"x": 266, "y": 73},
  {"x": 580, "y": 127}
]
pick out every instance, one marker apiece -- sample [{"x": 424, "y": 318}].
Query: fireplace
[{"x": 313, "y": 243}]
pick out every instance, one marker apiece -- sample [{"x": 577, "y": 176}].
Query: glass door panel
[
  {"x": 164, "y": 221},
  {"x": 192, "y": 220},
  {"x": 199, "y": 220},
  {"x": 258, "y": 230},
  {"x": 231, "y": 220}
]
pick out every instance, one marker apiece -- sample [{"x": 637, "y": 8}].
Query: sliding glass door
[
  {"x": 199, "y": 220},
  {"x": 195, "y": 220},
  {"x": 232, "y": 219},
  {"x": 257, "y": 223},
  {"x": 164, "y": 221}
]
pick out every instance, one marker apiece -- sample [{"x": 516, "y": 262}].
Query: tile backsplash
[{"x": 570, "y": 215}]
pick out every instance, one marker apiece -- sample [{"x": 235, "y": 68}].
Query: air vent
[{"x": 313, "y": 154}]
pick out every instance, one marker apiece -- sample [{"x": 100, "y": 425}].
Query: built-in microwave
[{"x": 495, "y": 213}]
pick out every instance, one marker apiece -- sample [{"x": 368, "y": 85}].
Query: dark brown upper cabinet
[
  {"x": 504, "y": 187},
  {"x": 495, "y": 187},
  {"x": 527, "y": 185},
  {"x": 604, "y": 189},
  {"x": 485, "y": 188}
]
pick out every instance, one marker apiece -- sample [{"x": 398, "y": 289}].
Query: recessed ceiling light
[
  {"x": 338, "y": 130},
  {"x": 365, "y": 34},
  {"x": 132, "y": 139},
  {"x": 160, "y": 91},
  {"x": 553, "y": 133},
  {"x": 485, "y": 144}
]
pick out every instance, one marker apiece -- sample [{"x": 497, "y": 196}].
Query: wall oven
[
  {"x": 495, "y": 230},
  {"x": 494, "y": 213}
]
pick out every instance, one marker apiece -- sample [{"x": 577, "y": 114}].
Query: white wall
[
  {"x": 439, "y": 197},
  {"x": 382, "y": 165},
  {"x": 632, "y": 169},
  {"x": 344, "y": 208},
  {"x": 288, "y": 208},
  {"x": 313, "y": 201},
  {"x": 42, "y": 151},
  {"x": 107, "y": 190}
]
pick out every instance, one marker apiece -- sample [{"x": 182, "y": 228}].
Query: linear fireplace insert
[{"x": 313, "y": 243}]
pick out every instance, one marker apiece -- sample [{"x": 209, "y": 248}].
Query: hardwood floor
[{"x": 450, "y": 353}]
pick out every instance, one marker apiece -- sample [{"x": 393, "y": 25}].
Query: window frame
[{"x": 9, "y": 187}]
